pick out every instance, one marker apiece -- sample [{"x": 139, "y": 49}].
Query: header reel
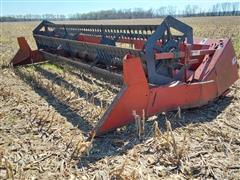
[{"x": 161, "y": 67}]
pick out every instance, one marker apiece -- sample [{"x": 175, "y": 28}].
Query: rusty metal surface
[{"x": 25, "y": 55}]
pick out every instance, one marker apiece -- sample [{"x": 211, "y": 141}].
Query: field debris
[
  {"x": 47, "y": 111},
  {"x": 48, "y": 144},
  {"x": 140, "y": 123}
]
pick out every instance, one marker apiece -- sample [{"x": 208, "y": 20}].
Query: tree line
[{"x": 219, "y": 9}]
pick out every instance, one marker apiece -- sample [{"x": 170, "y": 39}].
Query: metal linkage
[
  {"x": 98, "y": 44},
  {"x": 162, "y": 40}
]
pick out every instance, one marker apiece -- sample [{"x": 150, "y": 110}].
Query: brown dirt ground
[{"x": 46, "y": 113}]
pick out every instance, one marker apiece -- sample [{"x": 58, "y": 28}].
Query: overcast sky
[{"x": 66, "y": 7}]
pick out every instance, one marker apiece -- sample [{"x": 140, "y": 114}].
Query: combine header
[{"x": 162, "y": 69}]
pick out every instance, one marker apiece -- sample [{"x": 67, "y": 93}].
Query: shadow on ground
[
  {"x": 62, "y": 82},
  {"x": 120, "y": 141},
  {"x": 61, "y": 107}
]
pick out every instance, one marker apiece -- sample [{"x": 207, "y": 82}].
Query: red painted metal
[
  {"x": 25, "y": 55},
  {"x": 90, "y": 39},
  {"x": 213, "y": 69},
  {"x": 133, "y": 96},
  {"x": 181, "y": 54},
  {"x": 221, "y": 67},
  {"x": 212, "y": 78},
  {"x": 138, "y": 43}
]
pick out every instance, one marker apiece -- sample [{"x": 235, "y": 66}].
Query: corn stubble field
[{"x": 47, "y": 110}]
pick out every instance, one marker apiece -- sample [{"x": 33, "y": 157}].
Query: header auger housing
[{"x": 164, "y": 69}]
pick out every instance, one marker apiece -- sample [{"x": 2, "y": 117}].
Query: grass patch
[
  {"x": 47, "y": 66},
  {"x": 54, "y": 67}
]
